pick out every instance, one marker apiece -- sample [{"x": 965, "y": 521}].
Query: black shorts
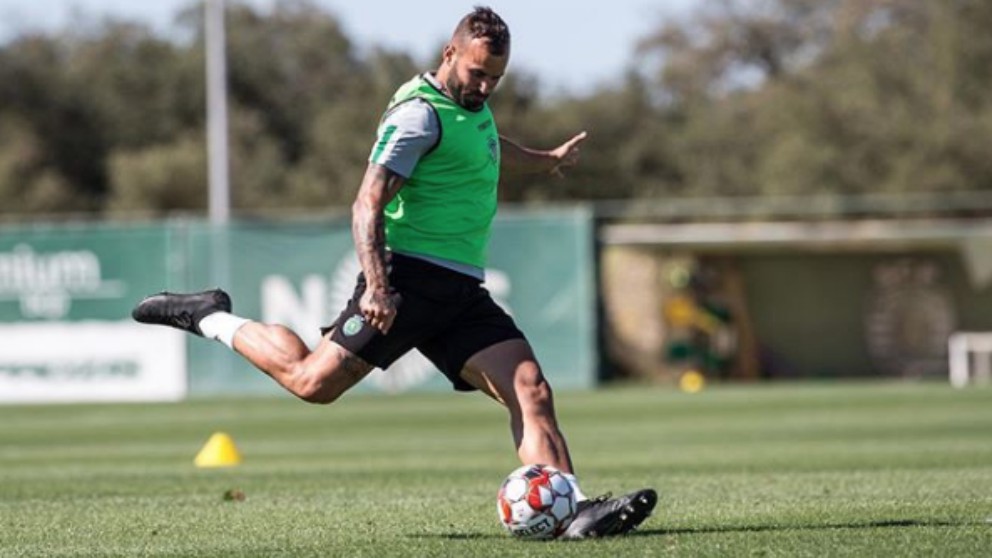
[{"x": 446, "y": 315}]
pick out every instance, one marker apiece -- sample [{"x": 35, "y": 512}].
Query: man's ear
[{"x": 448, "y": 54}]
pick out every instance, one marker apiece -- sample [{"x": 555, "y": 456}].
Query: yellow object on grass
[
  {"x": 219, "y": 451},
  {"x": 692, "y": 381}
]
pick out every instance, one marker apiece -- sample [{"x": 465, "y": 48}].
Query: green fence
[{"x": 296, "y": 273}]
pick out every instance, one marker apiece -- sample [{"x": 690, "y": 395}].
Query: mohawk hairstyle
[{"x": 483, "y": 22}]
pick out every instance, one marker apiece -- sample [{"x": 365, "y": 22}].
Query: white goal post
[{"x": 967, "y": 351}]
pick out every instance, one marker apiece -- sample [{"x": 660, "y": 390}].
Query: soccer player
[{"x": 421, "y": 224}]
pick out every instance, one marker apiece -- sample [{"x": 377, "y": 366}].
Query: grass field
[{"x": 783, "y": 470}]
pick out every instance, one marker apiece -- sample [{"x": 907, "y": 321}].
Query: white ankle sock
[
  {"x": 579, "y": 495},
  {"x": 222, "y": 326}
]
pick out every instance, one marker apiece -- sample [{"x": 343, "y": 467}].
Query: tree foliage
[
  {"x": 740, "y": 98},
  {"x": 840, "y": 96}
]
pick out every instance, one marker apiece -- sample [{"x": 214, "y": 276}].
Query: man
[{"x": 421, "y": 225}]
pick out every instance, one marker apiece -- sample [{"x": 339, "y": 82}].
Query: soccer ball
[{"x": 536, "y": 502}]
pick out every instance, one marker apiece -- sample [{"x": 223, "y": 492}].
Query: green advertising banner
[
  {"x": 274, "y": 273},
  {"x": 84, "y": 272},
  {"x": 301, "y": 275},
  {"x": 66, "y": 295}
]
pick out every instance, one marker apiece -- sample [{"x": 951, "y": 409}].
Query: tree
[
  {"x": 829, "y": 97},
  {"x": 741, "y": 98}
]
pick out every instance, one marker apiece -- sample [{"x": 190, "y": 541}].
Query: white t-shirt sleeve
[{"x": 406, "y": 134}]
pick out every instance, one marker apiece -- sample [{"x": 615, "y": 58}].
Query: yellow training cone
[
  {"x": 219, "y": 451},
  {"x": 692, "y": 381}
]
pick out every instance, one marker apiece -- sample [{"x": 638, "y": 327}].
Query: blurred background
[{"x": 771, "y": 189}]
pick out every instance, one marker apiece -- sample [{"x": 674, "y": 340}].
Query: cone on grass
[
  {"x": 692, "y": 381},
  {"x": 219, "y": 451}
]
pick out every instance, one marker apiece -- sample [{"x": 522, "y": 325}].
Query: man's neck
[{"x": 431, "y": 78}]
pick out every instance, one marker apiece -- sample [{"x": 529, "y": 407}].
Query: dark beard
[{"x": 457, "y": 93}]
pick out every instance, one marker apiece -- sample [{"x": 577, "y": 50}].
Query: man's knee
[
  {"x": 316, "y": 392},
  {"x": 326, "y": 375},
  {"x": 314, "y": 388}
]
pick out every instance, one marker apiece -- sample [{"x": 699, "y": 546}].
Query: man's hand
[
  {"x": 520, "y": 160},
  {"x": 566, "y": 154},
  {"x": 379, "y": 308}
]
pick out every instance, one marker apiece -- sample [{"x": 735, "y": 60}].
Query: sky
[{"x": 572, "y": 45}]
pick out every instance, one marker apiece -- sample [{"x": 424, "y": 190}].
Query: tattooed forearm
[
  {"x": 368, "y": 223},
  {"x": 368, "y": 228}
]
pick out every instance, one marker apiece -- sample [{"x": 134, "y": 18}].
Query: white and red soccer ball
[{"x": 536, "y": 502}]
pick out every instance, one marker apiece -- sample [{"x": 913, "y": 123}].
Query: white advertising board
[{"x": 43, "y": 362}]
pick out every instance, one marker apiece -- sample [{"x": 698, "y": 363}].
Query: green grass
[{"x": 782, "y": 470}]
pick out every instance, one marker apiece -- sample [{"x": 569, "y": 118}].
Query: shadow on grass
[
  {"x": 726, "y": 529},
  {"x": 882, "y": 524},
  {"x": 456, "y": 536}
]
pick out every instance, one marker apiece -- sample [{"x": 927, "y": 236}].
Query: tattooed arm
[{"x": 368, "y": 228}]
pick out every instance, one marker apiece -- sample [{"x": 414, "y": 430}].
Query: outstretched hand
[{"x": 567, "y": 154}]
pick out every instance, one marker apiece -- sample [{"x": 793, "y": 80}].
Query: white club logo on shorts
[{"x": 353, "y": 325}]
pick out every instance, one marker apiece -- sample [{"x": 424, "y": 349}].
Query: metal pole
[
  {"x": 217, "y": 157},
  {"x": 219, "y": 197}
]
